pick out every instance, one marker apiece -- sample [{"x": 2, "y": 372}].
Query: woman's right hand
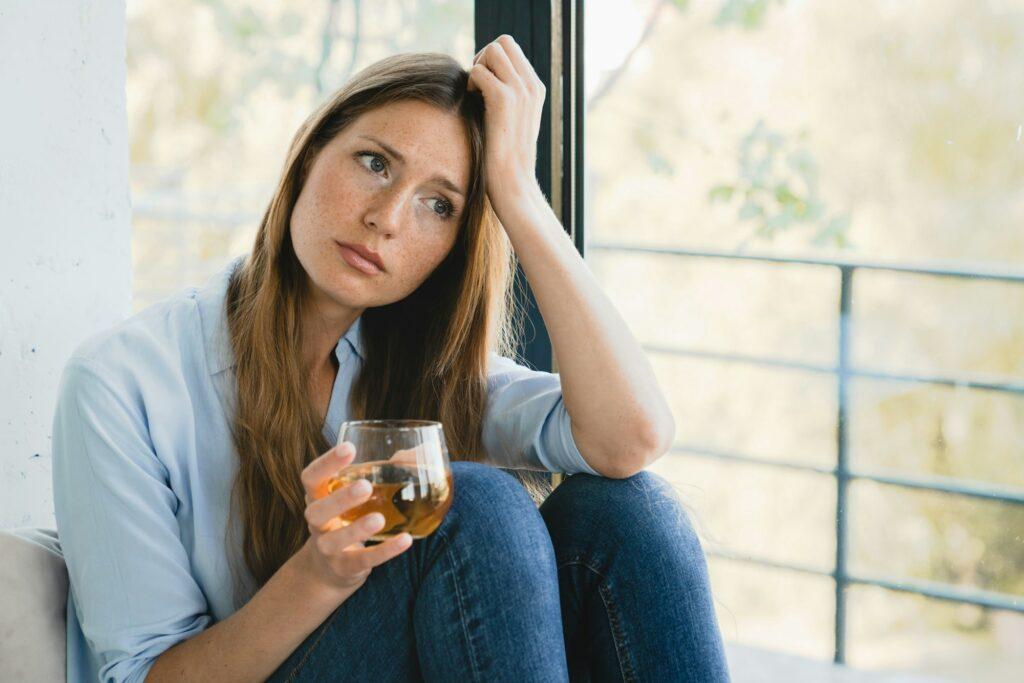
[{"x": 337, "y": 555}]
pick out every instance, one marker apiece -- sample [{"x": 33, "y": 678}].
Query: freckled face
[{"x": 380, "y": 184}]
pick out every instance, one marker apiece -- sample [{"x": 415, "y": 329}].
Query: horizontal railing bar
[
  {"x": 970, "y": 382},
  {"x": 931, "y": 589},
  {"x": 684, "y": 449},
  {"x": 766, "y": 361},
  {"x": 1001, "y": 384},
  {"x": 953, "y": 485},
  {"x": 774, "y": 564},
  {"x": 950, "y": 485},
  {"x": 980, "y": 272},
  {"x": 943, "y": 591}
]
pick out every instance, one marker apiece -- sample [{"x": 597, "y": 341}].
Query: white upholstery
[{"x": 33, "y": 598}]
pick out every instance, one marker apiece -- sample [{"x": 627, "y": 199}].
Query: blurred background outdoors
[{"x": 872, "y": 131}]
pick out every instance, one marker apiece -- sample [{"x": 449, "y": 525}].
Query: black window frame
[{"x": 551, "y": 35}]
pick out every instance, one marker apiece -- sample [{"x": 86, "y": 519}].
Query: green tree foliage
[{"x": 777, "y": 188}]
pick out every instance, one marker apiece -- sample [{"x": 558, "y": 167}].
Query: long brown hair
[{"x": 425, "y": 355}]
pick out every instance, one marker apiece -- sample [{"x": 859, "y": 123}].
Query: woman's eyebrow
[{"x": 439, "y": 179}]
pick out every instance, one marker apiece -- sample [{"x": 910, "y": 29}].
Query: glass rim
[{"x": 392, "y": 424}]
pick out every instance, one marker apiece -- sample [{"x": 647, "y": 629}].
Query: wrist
[
  {"x": 518, "y": 201},
  {"x": 301, "y": 567}
]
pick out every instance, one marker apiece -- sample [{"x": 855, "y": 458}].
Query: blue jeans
[{"x": 605, "y": 582}]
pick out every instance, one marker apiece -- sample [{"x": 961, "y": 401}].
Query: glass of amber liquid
[{"x": 406, "y": 461}]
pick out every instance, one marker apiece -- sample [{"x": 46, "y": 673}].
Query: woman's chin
[{"x": 340, "y": 289}]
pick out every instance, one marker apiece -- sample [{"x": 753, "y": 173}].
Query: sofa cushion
[{"x": 33, "y": 593}]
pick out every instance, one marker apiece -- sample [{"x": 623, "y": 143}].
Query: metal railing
[{"x": 844, "y": 370}]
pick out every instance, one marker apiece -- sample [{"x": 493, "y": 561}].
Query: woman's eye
[
  {"x": 447, "y": 210},
  {"x": 377, "y": 163}
]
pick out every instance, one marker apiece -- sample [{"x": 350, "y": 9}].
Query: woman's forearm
[
  {"x": 254, "y": 641},
  {"x": 620, "y": 419}
]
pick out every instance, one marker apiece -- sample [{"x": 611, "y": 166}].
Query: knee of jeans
[
  {"x": 491, "y": 504},
  {"x": 633, "y": 513}
]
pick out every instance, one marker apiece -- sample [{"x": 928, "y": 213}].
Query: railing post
[{"x": 842, "y": 455}]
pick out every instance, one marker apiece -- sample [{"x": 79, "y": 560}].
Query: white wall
[{"x": 65, "y": 257}]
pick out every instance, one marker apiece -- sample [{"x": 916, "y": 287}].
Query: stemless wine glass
[{"x": 406, "y": 461}]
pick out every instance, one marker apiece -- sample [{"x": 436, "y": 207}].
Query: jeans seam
[
  {"x": 618, "y": 635},
  {"x": 460, "y": 601},
  {"x": 614, "y": 619}
]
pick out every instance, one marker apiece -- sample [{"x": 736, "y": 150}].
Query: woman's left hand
[{"x": 513, "y": 101}]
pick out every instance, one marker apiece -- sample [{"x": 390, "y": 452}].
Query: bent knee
[
  {"x": 492, "y": 503},
  {"x": 485, "y": 484},
  {"x": 642, "y": 509}
]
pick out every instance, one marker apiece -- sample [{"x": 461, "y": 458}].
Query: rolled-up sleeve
[
  {"x": 128, "y": 570},
  {"x": 525, "y": 425}
]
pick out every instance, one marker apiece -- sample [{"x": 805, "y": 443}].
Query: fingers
[
  {"x": 367, "y": 558},
  {"x": 349, "y": 557},
  {"x": 410, "y": 456},
  {"x": 483, "y": 79},
  {"x": 503, "y": 61},
  {"x": 317, "y": 473},
  {"x": 520, "y": 63},
  {"x": 332, "y": 543},
  {"x": 321, "y": 512},
  {"x": 494, "y": 58}
]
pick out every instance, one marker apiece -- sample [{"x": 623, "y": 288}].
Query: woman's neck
[{"x": 323, "y": 322}]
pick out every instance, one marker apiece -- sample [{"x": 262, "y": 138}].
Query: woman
[{"x": 192, "y": 442}]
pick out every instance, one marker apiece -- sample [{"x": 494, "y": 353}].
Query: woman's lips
[{"x": 357, "y": 261}]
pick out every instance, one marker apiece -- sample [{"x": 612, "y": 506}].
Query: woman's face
[{"x": 392, "y": 182}]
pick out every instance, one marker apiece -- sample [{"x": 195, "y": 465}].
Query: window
[{"x": 809, "y": 214}]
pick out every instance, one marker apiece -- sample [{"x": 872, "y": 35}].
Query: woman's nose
[{"x": 386, "y": 213}]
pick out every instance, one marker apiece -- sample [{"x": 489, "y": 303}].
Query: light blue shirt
[{"x": 143, "y": 463}]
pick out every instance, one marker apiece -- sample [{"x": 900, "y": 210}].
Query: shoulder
[
  {"x": 499, "y": 367},
  {"x": 163, "y": 334},
  {"x": 183, "y": 335},
  {"x": 117, "y": 379},
  {"x": 498, "y": 364},
  {"x": 501, "y": 370}
]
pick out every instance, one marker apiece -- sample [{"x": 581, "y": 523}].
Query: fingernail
[
  {"x": 404, "y": 540},
  {"x": 374, "y": 520},
  {"x": 361, "y": 487}
]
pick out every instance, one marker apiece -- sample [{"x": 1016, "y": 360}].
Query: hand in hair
[
  {"x": 336, "y": 556},
  {"x": 513, "y": 101}
]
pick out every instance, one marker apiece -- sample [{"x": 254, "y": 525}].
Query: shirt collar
[
  {"x": 211, "y": 299},
  {"x": 353, "y": 338}
]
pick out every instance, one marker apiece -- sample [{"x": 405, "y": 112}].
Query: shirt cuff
[{"x": 558, "y": 451}]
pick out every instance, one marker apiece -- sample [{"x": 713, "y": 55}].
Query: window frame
[{"x": 551, "y": 35}]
